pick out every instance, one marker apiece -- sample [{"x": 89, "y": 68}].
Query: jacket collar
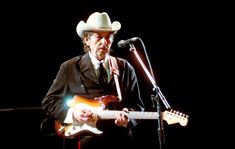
[{"x": 85, "y": 63}]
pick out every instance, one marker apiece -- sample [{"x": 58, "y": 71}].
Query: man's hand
[
  {"x": 84, "y": 115},
  {"x": 121, "y": 118}
]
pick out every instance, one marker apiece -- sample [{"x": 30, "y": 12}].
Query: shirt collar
[{"x": 96, "y": 62}]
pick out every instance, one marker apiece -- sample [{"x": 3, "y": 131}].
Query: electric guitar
[{"x": 97, "y": 106}]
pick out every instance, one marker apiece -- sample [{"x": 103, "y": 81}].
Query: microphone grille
[{"x": 121, "y": 44}]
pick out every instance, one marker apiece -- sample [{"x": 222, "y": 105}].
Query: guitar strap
[{"x": 114, "y": 71}]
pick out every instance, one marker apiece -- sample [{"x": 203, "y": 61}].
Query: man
[{"x": 93, "y": 91}]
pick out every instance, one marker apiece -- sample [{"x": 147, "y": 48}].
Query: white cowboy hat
[{"x": 97, "y": 22}]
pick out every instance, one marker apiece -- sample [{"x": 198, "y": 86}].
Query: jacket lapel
[{"x": 87, "y": 68}]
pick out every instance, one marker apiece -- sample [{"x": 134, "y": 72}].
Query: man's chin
[{"x": 101, "y": 54}]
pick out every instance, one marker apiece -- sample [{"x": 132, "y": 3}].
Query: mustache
[{"x": 104, "y": 47}]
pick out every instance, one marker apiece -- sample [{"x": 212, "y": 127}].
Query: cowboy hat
[{"x": 97, "y": 22}]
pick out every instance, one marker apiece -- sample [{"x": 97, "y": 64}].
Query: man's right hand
[{"x": 84, "y": 115}]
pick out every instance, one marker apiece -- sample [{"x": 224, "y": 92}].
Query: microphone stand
[{"x": 155, "y": 98}]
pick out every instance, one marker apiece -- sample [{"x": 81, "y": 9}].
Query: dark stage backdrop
[{"x": 37, "y": 36}]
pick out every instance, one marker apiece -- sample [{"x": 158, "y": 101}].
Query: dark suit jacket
[{"x": 77, "y": 77}]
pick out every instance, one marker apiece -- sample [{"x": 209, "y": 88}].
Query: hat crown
[{"x": 99, "y": 20}]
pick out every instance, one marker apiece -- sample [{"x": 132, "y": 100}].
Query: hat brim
[{"x": 82, "y": 27}]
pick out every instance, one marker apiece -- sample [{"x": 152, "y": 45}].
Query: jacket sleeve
[
  {"x": 131, "y": 91},
  {"x": 54, "y": 103}
]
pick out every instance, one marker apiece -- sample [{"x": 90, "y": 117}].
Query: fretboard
[{"x": 111, "y": 114}]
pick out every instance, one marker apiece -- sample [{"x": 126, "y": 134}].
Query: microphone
[{"x": 123, "y": 43}]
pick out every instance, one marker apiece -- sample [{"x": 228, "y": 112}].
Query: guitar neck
[{"x": 111, "y": 114}]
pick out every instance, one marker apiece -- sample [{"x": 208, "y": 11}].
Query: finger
[{"x": 125, "y": 109}]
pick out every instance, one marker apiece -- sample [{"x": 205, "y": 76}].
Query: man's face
[{"x": 100, "y": 43}]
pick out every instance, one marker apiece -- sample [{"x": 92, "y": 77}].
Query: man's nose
[{"x": 104, "y": 40}]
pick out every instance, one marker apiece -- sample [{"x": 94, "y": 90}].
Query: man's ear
[{"x": 86, "y": 40}]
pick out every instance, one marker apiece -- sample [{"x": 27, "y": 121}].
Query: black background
[{"x": 37, "y": 36}]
